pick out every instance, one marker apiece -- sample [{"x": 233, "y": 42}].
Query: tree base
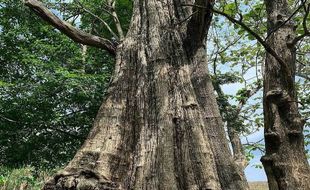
[{"x": 82, "y": 180}]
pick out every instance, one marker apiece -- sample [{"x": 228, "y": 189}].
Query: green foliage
[
  {"x": 251, "y": 148},
  {"x": 227, "y": 78},
  {"x": 26, "y": 178},
  {"x": 236, "y": 59},
  {"x": 49, "y": 90}
]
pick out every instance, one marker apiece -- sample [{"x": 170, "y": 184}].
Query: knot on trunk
[
  {"x": 273, "y": 138},
  {"x": 269, "y": 159},
  {"x": 89, "y": 159},
  {"x": 278, "y": 97},
  {"x": 288, "y": 110}
]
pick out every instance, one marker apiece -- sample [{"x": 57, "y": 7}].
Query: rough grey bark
[
  {"x": 285, "y": 161},
  {"x": 159, "y": 126}
]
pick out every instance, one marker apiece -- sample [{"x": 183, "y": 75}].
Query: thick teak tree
[{"x": 159, "y": 126}]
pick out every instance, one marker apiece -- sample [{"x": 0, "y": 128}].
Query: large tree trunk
[
  {"x": 285, "y": 161},
  {"x": 159, "y": 126}
]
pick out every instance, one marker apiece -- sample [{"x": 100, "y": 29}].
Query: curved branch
[
  {"x": 66, "y": 28},
  {"x": 249, "y": 30},
  {"x": 111, "y": 4},
  {"x": 258, "y": 38}
]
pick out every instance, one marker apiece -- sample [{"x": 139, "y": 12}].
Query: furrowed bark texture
[
  {"x": 160, "y": 126},
  {"x": 285, "y": 161}
]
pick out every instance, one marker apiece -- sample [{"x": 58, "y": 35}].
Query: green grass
[{"x": 26, "y": 178}]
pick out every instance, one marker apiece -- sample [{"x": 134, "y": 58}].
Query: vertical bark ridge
[{"x": 230, "y": 174}]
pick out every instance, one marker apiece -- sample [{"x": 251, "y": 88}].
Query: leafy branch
[{"x": 258, "y": 38}]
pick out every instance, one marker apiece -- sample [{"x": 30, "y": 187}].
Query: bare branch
[
  {"x": 230, "y": 44},
  {"x": 72, "y": 32},
  {"x": 8, "y": 119},
  {"x": 302, "y": 75},
  {"x": 115, "y": 18},
  {"x": 56, "y": 128},
  {"x": 100, "y": 19}
]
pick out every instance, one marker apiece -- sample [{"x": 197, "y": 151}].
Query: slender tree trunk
[
  {"x": 231, "y": 116},
  {"x": 237, "y": 147},
  {"x": 285, "y": 161},
  {"x": 159, "y": 126}
]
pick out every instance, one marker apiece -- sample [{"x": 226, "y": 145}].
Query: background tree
[
  {"x": 283, "y": 123},
  {"x": 285, "y": 162}
]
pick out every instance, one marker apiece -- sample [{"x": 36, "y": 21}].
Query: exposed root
[{"x": 83, "y": 180}]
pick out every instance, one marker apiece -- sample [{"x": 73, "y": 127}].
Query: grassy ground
[
  {"x": 258, "y": 186},
  {"x": 26, "y": 178}
]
